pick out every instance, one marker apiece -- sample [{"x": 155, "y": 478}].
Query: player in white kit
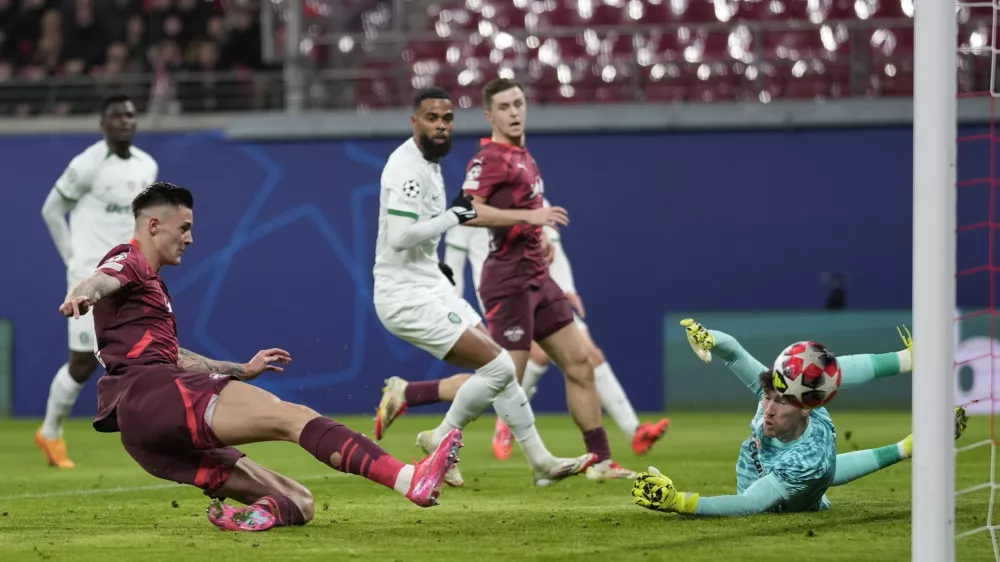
[
  {"x": 464, "y": 243},
  {"x": 416, "y": 303},
  {"x": 96, "y": 190}
]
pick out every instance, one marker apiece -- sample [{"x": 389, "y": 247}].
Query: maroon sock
[
  {"x": 284, "y": 510},
  {"x": 422, "y": 392},
  {"x": 358, "y": 454},
  {"x": 597, "y": 443}
]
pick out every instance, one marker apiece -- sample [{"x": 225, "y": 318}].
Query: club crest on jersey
[
  {"x": 454, "y": 318},
  {"x": 514, "y": 334},
  {"x": 474, "y": 171}
]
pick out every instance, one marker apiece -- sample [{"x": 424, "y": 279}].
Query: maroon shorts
[
  {"x": 530, "y": 315},
  {"x": 163, "y": 427}
]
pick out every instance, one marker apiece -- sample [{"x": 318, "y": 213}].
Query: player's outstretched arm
[
  {"x": 191, "y": 361},
  {"x": 707, "y": 342},
  {"x": 857, "y": 370},
  {"x": 488, "y": 216},
  {"x": 54, "y": 214},
  {"x": 655, "y": 491},
  {"x": 87, "y": 293}
]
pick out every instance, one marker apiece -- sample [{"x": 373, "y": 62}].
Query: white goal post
[{"x": 934, "y": 246}]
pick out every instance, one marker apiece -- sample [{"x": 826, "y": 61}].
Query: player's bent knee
[
  {"x": 499, "y": 372},
  {"x": 596, "y": 356},
  {"x": 303, "y": 498},
  {"x": 579, "y": 370},
  {"x": 82, "y": 365}
]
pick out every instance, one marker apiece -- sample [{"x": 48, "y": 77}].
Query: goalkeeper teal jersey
[
  {"x": 803, "y": 467},
  {"x": 795, "y": 474}
]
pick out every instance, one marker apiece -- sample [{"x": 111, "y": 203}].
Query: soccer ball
[{"x": 807, "y": 374}]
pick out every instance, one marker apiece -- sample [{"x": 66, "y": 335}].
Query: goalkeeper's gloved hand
[
  {"x": 462, "y": 207},
  {"x": 907, "y": 341},
  {"x": 655, "y": 491},
  {"x": 701, "y": 340},
  {"x": 961, "y": 421},
  {"x": 447, "y": 271}
]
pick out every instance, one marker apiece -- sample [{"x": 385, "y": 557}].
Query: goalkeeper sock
[{"x": 851, "y": 466}]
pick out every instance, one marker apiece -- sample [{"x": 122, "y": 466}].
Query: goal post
[{"x": 934, "y": 246}]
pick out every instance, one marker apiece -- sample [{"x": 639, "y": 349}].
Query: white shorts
[
  {"x": 82, "y": 337},
  {"x": 433, "y": 322}
]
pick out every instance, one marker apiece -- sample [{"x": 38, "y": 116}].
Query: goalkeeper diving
[{"x": 790, "y": 459}]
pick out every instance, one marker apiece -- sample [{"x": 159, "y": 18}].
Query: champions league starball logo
[{"x": 411, "y": 189}]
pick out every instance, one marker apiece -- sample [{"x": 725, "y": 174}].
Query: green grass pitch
[{"x": 109, "y": 509}]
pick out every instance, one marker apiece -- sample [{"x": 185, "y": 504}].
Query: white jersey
[
  {"x": 411, "y": 187},
  {"x": 103, "y": 185}
]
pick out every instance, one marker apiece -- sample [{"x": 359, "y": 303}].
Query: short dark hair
[
  {"x": 766, "y": 379},
  {"x": 113, "y": 98},
  {"x": 430, "y": 93},
  {"x": 495, "y": 86},
  {"x": 162, "y": 193}
]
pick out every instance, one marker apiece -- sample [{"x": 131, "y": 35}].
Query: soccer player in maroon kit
[
  {"x": 180, "y": 415},
  {"x": 522, "y": 302}
]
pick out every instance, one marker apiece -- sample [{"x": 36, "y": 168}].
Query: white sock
[
  {"x": 532, "y": 374},
  {"x": 62, "y": 395},
  {"x": 513, "y": 407},
  {"x": 905, "y": 361},
  {"x": 476, "y": 394},
  {"x": 614, "y": 401},
  {"x": 404, "y": 479}
]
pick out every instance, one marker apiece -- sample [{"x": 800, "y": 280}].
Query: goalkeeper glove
[
  {"x": 655, "y": 491},
  {"x": 907, "y": 341},
  {"x": 701, "y": 340},
  {"x": 462, "y": 207},
  {"x": 961, "y": 421},
  {"x": 447, "y": 271}
]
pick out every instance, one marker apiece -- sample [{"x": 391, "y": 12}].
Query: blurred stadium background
[
  {"x": 778, "y": 127},
  {"x": 748, "y": 162}
]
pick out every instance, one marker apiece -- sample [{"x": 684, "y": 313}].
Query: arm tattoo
[
  {"x": 191, "y": 361},
  {"x": 97, "y": 287}
]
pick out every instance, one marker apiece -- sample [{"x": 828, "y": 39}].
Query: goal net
[{"x": 975, "y": 351}]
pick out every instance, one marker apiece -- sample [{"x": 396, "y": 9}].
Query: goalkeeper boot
[
  {"x": 701, "y": 340},
  {"x": 392, "y": 405},
  {"x": 609, "y": 470},
  {"x": 647, "y": 434},
  {"x": 425, "y": 440}
]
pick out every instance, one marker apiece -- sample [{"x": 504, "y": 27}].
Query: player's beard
[{"x": 432, "y": 150}]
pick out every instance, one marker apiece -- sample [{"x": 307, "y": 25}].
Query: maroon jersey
[
  {"x": 135, "y": 328},
  {"x": 507, "y": 177}
]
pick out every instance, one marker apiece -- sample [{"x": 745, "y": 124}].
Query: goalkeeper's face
[{"x": 781, "y": 418}]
